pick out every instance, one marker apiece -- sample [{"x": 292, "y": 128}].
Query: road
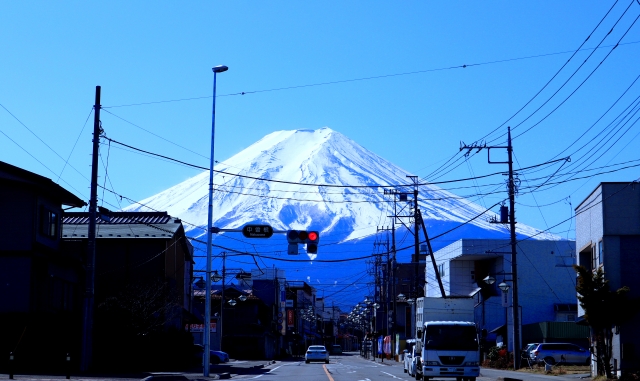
[{"x": 352, "y": 367}]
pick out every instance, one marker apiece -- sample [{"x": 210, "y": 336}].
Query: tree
[
  {"x": 603, "y": 309},
  {"x": 136, "y": 327}
]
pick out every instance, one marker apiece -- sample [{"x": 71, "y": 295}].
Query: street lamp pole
[{"x": 207, "y": 298}]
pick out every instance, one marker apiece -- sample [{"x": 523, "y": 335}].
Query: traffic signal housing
[{"x": 310, "y": 238}]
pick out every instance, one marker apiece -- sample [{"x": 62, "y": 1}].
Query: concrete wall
[
  {"x": 545, "y": 278},
  {"x": 608, "y": 227}
]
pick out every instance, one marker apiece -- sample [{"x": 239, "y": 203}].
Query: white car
[
  {"x": 411, "y": 362},
  {"x": 316, "y": 353},
  {"x": 407, "y": 360}
]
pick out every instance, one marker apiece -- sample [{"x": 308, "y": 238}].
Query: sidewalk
[{"x": 220, "y": 371}]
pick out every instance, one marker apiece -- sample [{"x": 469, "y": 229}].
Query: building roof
[
  {"x": 10, "y": 173},
  {"x": 602, "y": 185},
  {"x": 158, "y": 225}
]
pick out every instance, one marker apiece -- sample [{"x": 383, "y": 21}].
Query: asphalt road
[{"x": 346, "y": 367}]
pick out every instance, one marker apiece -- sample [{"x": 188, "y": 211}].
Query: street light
[
  {"x": 504, "y": 286},
  {"x": 207, "y": 307}
]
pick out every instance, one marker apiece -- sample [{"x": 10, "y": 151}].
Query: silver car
[
  {"x": 560, "y": 353},
  {"x": 316, "y": 353}
]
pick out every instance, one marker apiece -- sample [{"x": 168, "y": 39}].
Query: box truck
[{"x": 449, "y": 340}]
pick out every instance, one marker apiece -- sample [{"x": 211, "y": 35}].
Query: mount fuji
[{"x": 317, "y": 180}]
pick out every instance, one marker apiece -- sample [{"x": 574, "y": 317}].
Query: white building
[{"x": 546, "y": 283}]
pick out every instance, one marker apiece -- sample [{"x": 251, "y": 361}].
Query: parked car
[
  {"x": 316, "y": 353},
  {"x": 529, "y": 347},
  {"x": 406, "y": 356},
  {"x": 336, "y": 349},
  {"x": 411, "y": 362},
  {"x": 215, "y": 357},
  {"x": 560, "y": 353}
]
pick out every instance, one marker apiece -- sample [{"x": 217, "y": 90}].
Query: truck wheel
[
  {"x": 418, "y": 376},
  {"x": 472, "y": 379},
  {"x": 460, "y": 379}
]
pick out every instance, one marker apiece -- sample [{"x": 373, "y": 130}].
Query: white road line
[
  {"x": 392, "y": 375},
  {"x": 270, "y": 370}
]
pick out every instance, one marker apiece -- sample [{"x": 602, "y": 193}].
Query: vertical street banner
[
  {"x": 290, "y": 318},
  {"x": 386, "y": 347}
]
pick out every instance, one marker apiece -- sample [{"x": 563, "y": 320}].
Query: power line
[{"x": 463, "y": 66}]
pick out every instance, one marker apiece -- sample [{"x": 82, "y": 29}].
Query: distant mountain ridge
[
  {"x": 298, "y": 157},
  {"x": 321, "y": 180}
]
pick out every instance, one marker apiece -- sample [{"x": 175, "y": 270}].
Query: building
[
  {"x": 302, "y": 316},
  {"x": 608, "y": 237},
  {"x": 244, "y": 319},
  {"x": 40, "y": 292},
  {"x": 546, "y": 284},
  {"x": 143, "y": 272}
]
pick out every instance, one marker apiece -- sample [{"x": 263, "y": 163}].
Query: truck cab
[{"x": 449, "y": 349}]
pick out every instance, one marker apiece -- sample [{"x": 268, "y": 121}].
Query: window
[
  {"x": 48, "y": 223},
  {"x": 600, "y": 252},
  {"x": 594, "y": 258},
  {"x": 585, "y": 258},
  {"x": 441, "y": 269}
]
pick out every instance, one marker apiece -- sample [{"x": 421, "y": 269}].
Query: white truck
[{"x": 449, "y": 338}]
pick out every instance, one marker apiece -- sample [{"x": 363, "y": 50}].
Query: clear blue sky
[{"x": 53, "y": 54}]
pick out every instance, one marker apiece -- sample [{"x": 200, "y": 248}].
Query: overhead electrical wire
[
  {"x": 326, "y": 185},
  {"x": 447, "y": 165},
  {"x": 32, "y": 156},
  {"x": 463, "y": 66},
  {"x": 574, "y": 91}
]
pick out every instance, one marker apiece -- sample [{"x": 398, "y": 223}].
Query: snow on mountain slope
[
  {"x": 346, "y": 199},
  {"x": 320, "y": 180}
]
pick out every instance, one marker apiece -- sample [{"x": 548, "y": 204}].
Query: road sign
[{"x": 257, "y": 231}]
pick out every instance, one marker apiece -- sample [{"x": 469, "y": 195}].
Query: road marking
[
  {"x": 392, "y": 375},
  {"x": 270, "y": 370},
  {"x": 324, "y": 366}
]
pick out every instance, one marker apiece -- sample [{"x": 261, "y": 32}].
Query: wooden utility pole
[
  {"x": 512, "y": 224},
  {"x": 90, "y": 271}
]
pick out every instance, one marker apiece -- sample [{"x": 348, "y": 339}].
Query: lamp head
[
  {"x": 489, "y": 280},
  {"x": 504, "y": 286},
  {"x": 220, "y": 69}
]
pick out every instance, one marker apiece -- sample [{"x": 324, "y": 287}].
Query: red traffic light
[{"x": 303, "y": 236}]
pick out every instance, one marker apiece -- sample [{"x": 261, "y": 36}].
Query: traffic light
[{"x": 310, "y": 238}]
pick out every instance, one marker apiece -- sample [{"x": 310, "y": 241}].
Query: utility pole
[
  {"x": 512, "y": 225},
  {"x": 90, "y": 270},
  {"x": 387, "y": 280},
  {"x": 416, "y": 235}
]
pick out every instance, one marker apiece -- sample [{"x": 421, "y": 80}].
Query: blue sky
[{"x": 398, "y": 88}]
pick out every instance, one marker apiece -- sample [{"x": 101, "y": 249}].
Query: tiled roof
[
  {"x": 80, "y": 218},
  {"x": 122, "y": 225}
]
